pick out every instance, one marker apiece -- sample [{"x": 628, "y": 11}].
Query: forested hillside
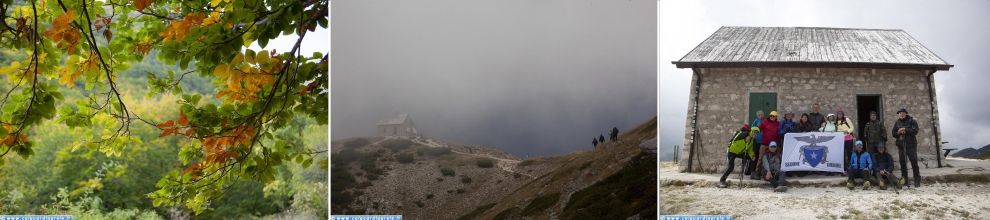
[
  {"x": 161, "y": 109},
  {"x": 30, "y": 186}
]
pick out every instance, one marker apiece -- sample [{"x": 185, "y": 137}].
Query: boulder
[{"x": 649, "y": 146}]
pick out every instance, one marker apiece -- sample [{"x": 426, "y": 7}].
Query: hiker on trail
[
  {"x": 875, "y": 133},
  {"x": 884, "y": 167},
  {"x": 906, "y": 130},
  {"x": 769, "y": 128},
  {"x": 601, "y": 138},
  {"x": 739, "y": 148},
  {"x": 804, "y": 125},
  {"x": 615, "y": 133},
  {"x": 756, "y": 143},
  {"x": 860, "y": 166},
  {"x": 815, "y": 118},
  {"x": 594, "y": 141},
  {"x": 771, "y": 169}
]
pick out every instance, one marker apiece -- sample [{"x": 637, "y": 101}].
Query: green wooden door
[{"x": 761, "y": 101}]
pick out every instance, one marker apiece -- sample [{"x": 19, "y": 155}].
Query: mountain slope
[{"x": 612, "y": 181}]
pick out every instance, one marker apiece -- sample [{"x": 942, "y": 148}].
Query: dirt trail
[{"x": 504, "y": 164}]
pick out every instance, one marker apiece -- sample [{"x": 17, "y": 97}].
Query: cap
[
  {"x": 773, "y": 144},
  {"x": 873, "y": 112},
  {"x": 756, "y": 129},
  {"x": 773, "y": 113},
  {"x": 840, "y": 112},
  {"x": 859, "y": 143},
  {"x": 881, "y": 145},
  {"x": 831, "y": 115},
  {"x": 902, "y": 110},
  {"x": 745, "y": 127}
]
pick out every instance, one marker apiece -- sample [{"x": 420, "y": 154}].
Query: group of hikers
[
  {"x": 612, "y": 136},
  {"x": 762, "y": 138}
]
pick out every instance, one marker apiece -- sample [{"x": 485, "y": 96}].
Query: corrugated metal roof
[
  {"x": 767, "y": 45},
  {"x": 392, "y": 119}
]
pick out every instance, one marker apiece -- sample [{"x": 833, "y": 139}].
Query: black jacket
[
  {"x": 911, "y": 131},
  {"x": 883, "y": 161},
  {"x": 816, "y": 120}
]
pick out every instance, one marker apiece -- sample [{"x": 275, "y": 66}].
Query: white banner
[{"x": 813, "y": 151}]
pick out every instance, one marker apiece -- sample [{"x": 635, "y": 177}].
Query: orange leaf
[
  {"x": 164, "y": 133},
  {"x": 141, "y": 4},
  {"x": 183, "y": 121},
  {"x": 168, "y": 123}
]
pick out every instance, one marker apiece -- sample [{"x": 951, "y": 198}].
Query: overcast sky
[
  {"x": 526, "y": 77},
  {"x": 957, "y": 31}
]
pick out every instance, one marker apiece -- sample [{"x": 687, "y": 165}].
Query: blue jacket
[
  {"x": 860, "y": 161},
  {"x": 787, "y": 127},
  {"x": 756, "y": 123}
]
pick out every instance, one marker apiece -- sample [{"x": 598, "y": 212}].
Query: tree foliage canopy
[{"x": 85, "y": 44}]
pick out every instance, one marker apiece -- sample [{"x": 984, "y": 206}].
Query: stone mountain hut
[
  {"x": 396, "y": 125},
  {"x": 740, "y": 70}
]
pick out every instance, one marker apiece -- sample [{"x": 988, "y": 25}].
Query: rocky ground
[{"x": 957, "y": 192}]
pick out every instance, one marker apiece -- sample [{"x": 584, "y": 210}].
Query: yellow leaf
[
  {"x": 237, "y": 59},
  {"x": 262, "y": 57},
  {"x": 214, "y": 3},
  {"x": 246, "y": 68},
  {"x": 13, "y": 66},
  {"x": 221, "y": 70}
]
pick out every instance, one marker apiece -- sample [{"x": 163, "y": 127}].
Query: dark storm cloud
[
  {"x": 954, "y": 30},
  {"x": 536, "y": 77}
]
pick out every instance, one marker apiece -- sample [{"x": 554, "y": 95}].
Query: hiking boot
[
  {"x": 781, "y": 189},
  {"x": 902, "y": 181},
  {"x": 917, "y": 182},
  {"x": 721, "y": 184},
  {"x": 754, "y": 177},
  {"x": 849, "y": 185},
  {"x": 866, "y": 185}
]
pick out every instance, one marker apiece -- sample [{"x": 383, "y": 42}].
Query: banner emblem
[{"x": 814, "y": 154}]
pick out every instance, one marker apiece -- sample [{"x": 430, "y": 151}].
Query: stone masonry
[{"x": 724, "y": 103}]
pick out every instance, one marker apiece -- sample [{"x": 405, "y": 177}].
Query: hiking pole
[
  {"x": 745, "y": 164},
  {"x": 890, "y": 177}
]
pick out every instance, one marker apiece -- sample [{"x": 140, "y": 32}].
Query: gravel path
[{"x": 824, "y": 198}]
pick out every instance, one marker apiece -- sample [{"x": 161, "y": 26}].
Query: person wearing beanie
[
  {"x": 739, "y": 148},
  {"x": 771, "y": 168},
  {"x": 884, "y": 168},
  {"x": 906, "y": 132},
  {"x": 875, "y": 133},
  {"x": 860, "y": 165},
  {"x": 769, "y": 129}
]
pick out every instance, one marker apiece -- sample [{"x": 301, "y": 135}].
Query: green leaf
[
  {"x": 3, "y": 132},
  {"x": 263, "y": 41},
  {"x": 307, "y": 163}
]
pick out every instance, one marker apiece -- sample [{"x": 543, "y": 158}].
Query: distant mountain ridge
[{"x": 973, "y": 153}]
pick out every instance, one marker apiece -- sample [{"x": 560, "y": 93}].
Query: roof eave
[{"x": 811, "y": 65}]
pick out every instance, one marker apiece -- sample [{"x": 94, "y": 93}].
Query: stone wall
[{"x": 724, "y": 104}]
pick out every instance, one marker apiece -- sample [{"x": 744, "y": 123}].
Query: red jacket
[{"x": 769, "y": 130}]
